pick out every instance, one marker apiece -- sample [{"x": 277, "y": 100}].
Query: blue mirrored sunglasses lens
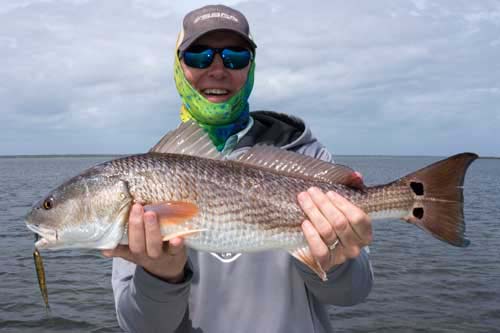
[
  {"x": 201, "y": 59},
  {"x": 236, "y": 59}
]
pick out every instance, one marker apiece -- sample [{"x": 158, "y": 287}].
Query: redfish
[{"x": 243, "y": 205}]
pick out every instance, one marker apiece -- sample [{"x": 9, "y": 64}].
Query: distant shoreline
[
  {"x": 120, "y": 155},
  {"x": 63, "y": 155}
]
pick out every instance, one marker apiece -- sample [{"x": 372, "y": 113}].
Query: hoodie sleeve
[
  {"x": 145, "y": 303},
  {"x": 348, "y": 283}
]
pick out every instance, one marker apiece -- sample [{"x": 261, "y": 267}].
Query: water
[{"x": 421, "y": 284}]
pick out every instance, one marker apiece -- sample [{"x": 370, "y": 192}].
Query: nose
[{"x": 217, "y": 69}]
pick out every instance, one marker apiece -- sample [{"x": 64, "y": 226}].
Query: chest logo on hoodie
[{"x": 226, "y": 257}]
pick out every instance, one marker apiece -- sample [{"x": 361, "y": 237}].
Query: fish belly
[{"x": 239, "y": 237}]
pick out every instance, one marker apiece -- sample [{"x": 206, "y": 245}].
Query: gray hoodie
[{"x": 252, "y": 292}]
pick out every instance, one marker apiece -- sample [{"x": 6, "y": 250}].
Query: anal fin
[{"x": 303, "y": 254}]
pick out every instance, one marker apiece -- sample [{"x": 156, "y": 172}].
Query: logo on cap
[{"x": 215, "y": 15}]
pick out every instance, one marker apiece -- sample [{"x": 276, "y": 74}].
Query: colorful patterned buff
[{"x": 220, "y": 120}]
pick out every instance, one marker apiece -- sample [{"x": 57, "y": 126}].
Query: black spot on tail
[
  {"x": 418, "y": 212},
  {"x": 418, "y": 188}
]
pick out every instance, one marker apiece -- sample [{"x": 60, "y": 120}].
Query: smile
[{"x": 215, "y": 92}]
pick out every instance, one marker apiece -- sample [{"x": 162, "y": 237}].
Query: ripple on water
[{"x": 49, "y": 324}]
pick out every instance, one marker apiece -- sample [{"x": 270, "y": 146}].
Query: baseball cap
[{"x": 211, "y": 18}]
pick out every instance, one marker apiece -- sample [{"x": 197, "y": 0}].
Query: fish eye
[{"x": 48, "y": 203}]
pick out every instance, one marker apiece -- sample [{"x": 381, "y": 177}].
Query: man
[{"x": 168, "y": 288}]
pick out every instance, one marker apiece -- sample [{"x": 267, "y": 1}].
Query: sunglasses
[{"x": 201, "y": 56}]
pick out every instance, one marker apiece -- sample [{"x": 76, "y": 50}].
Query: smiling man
[
  {"x": 167, "y": 288},
  {"x": 215, "y": 82}
]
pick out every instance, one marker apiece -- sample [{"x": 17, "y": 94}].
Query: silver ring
[{"x": 334, "y": 245}]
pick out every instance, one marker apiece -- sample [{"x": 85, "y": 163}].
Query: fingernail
[
  {"x": 302, "y": 196},
  {"x": 313, "y": 190},
  {"x": 306, "y": 224},
  {"x": 331, "y": 194},
  {"x": 149, "y": 218},
  {"x": 136, "y": 209},
  {"x": 176, "y": 242}
]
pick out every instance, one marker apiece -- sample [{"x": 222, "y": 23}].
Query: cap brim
[{"x": 187, "y": 42}]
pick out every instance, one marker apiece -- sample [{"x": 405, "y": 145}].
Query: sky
[{"x": 381, "y": 77}]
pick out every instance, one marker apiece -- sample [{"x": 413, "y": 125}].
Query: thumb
[
  {"x": 175, "y": 246},
  {"x": 357, "y": 181},
  {"x": 121, "y": 251}
]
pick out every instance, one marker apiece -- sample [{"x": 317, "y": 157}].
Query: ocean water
[{"x": 421, "y": 284}]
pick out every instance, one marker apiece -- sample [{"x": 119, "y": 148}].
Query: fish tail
[{"x": 438, "y": 193}]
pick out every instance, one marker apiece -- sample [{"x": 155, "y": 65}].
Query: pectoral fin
[
  {"x": 303, "y": 254},
  {"x": 173, "y": 212}
]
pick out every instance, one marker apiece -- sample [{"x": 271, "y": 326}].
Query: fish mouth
[{"x": 48, "y": 237}]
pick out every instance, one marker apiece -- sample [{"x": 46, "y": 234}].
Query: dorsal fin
[
  {"x": 187, "y": 139},
  {"x": 294, "y": 164}
]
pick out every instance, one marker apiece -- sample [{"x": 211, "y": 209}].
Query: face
[{"x": 217, "y": 83}]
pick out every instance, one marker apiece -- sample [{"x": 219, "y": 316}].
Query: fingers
[
  {"x": 318, "y": 209},
  {"x": 334, "y": 217},
  {"x": 144, "y": 233},
  {"x": 154, "y": 242},
  {"x": 147, "y": 249},
  {"x": 136, "y": 233},
  {"x": 357, "y": 182},
  {"x": 121, "y": 251},
  {"x": 358, "y": 220},
  {"x": 108, "y": 253},
  {"x": 350, "y": 216},
  {"x": 175, "y": 246},
  {"x": 317, "y": 246}
]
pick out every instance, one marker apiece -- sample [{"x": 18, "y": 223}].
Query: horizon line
[{"x": 122, "y": 155}]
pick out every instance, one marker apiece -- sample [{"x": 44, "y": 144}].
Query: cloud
[
  {"x": 384, "y": 77},
  {"x": 423, "y": 74}
]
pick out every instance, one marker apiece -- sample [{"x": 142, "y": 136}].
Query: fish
[
  {"x": 40, "y": 273},
  {"x": 245, "y": 204}
]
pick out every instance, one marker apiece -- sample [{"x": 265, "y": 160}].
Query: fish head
[{"x": 88, "y": 211}]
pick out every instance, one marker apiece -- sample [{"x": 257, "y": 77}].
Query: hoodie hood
[{"x": 277, "y": 129}]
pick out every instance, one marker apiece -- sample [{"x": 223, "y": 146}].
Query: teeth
[{"x": 215, "y": 91}]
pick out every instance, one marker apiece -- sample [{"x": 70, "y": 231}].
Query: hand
[
  {"x": 332, "y": 217},
  {"x": 146, "y": 248}
]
